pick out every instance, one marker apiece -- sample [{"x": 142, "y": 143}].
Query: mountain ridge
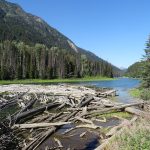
[{"x": 19, "y": 26}]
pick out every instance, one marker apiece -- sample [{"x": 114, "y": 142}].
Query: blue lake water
[{"x": 122, "y": 85}]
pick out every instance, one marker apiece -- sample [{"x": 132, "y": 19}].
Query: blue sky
[{"x": 115, "y": 30}]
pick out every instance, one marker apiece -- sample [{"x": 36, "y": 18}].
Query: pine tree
[{"x": 146, "y": 67}]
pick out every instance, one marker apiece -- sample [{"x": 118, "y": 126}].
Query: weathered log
[
  {"x": 59, "y": 143},
  {"x": 69, "y": 130},
  {"x": 28, "y": 106},
  {"x": 101, "y": 120},
  {"x": 54, "y": 117},
  {"x": 88, "y": 100},
  {"x": 34, "y": 111},
  {"x": 39, "y": 125},
  {"x": 84, "y": 120},
  {"x": 82, "y": 134},
  {"x": 88, "y": 108},
  {"x": 8, "y": 104},
  {"x": 40, "y": 118},
  {"x": 137, "y": 112},
  {"x": 91, "y": 126},
  {"x": 82, "y": 100},
  {"x": 13, "y": 101},
  {"x": 35, "y": 144},
  {"x": 61, "y": 106},
  {"x": 108, "y": 93},
  {"x": 122, "y": 107}
]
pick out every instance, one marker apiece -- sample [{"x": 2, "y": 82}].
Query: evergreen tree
[{"x": 146, "y": 66}]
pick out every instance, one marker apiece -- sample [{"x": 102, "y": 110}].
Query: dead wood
[
  {"x": 82, "y": 134},
  {"x": 69, "y": 130},
  {"x": 34, "y": 145},
  {"x": 86, "y": 102},
  {"x": 54, "y": 117},
  {"x": 39, "y": 125},
  {"x": 84, "y": 120},
  {"x": 138, "y": 112},
  {"x": 13, "y": 101},
  {"x": 88, "y": 108},
  {"x": 106, "y": 110},
  {"x": 91, "y": 126},
  {"x": 58, "y": 142},
  {"x": 28, "y": 106},
  {"x": 61, "y": 106},
  {"x": 108, "y": 93},
  {"x": 101, "y": 120},
  {"x": 32, "y": 112}
]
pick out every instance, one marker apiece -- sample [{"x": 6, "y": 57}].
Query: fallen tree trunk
[
  {"x": 39, "y": 125},
  {"x": 108, "y": 93},
  {"x": 84, "y": 120},
  {"x": 13, "y": 101},
  {"x": 54, "y": 117},
  {"x": 33, "y": 112},
  {"x": 92, "y": 126},
  {"x": 88, "y": 108},
  {"x": 122, "y": 107},
  {"x": 28, "y": 106},
  {"x": 87, "y": 101},
  {"x": 137, "y": 112},
  {"x": 35, "y": 144}
]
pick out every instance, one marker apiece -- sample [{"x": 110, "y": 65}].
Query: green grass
[
  {"x": 137, "y": 137},
  {"x": 70, "y": 80},
  {"x": 140, "y": 93},
  {"x": 135, "y": 93},
  {"x": 117, "y": 114}
]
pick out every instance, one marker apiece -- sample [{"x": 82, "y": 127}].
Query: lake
[{"x": 122, "y": 85}]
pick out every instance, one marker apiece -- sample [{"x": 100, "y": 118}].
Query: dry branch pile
[{"x": 43, "y": 112}]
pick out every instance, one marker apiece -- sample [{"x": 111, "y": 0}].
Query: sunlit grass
[
  {"x": 135, "y": 93},
  {"x": 70, "y": 80},
  {"x": 136, "y": 137},
  {"x": 140, "y": 93},
  {"x": 117, "y": 114}
]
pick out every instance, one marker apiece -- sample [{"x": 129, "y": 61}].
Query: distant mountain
[{"x": 22, "y": 30}]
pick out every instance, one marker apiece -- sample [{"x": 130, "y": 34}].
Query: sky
[{"x": 115, "y": 30}]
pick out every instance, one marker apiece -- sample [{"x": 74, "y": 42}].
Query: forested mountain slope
[
  {"x": 135, "y": 70},
  {"x": 30, "y": 48}
]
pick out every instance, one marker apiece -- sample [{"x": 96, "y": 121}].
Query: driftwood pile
[{"x": 42, "y": 114}]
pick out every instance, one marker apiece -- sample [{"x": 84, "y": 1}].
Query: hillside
[
  {"x": 135, "y": 70},
  {"x": 30, "y": 48}
]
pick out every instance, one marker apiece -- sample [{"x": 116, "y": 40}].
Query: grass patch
[
  {"x": 46, "y": 81},
  {"x": 112, "y": 114},
  {"x": 140, "y": 93},
  {"x": 135, "y": 93},
  {"x": 135, "y": 138},
  {"x": 117, "y": 114}
]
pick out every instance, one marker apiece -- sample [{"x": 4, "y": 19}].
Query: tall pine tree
[{"x": 146, "y": 66}]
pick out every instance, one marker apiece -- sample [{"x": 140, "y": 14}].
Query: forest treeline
[
  {"x": 21, "y": 61},
  {"x": 135, "y": 70},
  {"x": 31, "y": 49},
  {"x": 142, "y": 69}
]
